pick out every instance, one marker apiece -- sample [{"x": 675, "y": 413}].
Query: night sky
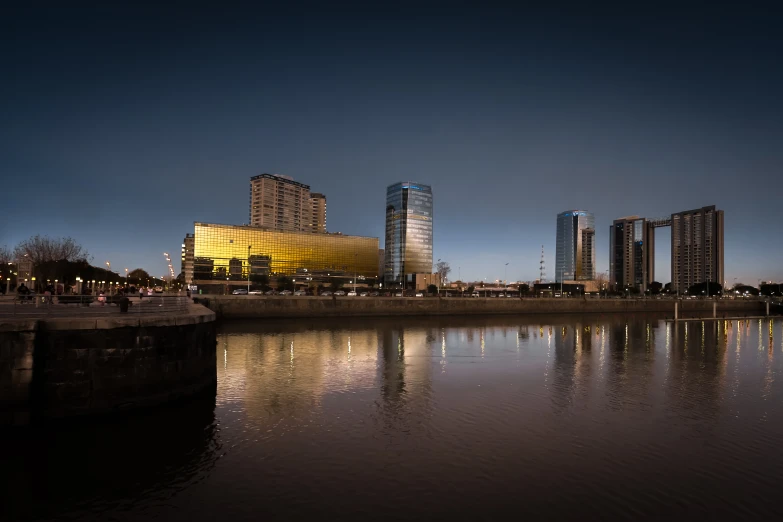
[{"x": 121, "y": 127}]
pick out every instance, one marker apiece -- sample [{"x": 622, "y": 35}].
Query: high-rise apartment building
[
  {"x": 575, "y": 249},
  {"x": 631, "y": 253},
  {"x": 188, "y": 245},
  {"x": 696, "y": 253},
  {"x": 408, "y": 248},
  {"x": 317, "y": 213},
  {"x": 697, "y": 247},
  {"x": 280, "y": 203}
]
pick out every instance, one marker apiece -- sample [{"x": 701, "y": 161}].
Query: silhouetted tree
[
  {"x": 285, "y": 283},
  {"x": 432, "y": 289},
  {"x": 443, "y": 269}
]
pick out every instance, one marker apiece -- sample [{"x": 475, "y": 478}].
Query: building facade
[
  {"x": 631, "y": 253},
  {"x": 575, "y": 248},
  {"x": 317, "y": 213},
  {"x": 187, "y": 258},
  {"x": 223, "y": 254},
  {"x": 408, "y": 248},
  {"x": 280, "y": 203},
  {"x": 697, "y": 248}
]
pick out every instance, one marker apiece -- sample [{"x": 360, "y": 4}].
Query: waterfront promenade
[{"x": 260, "y": 307}]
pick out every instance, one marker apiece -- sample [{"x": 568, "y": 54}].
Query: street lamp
[{"x": 248, "y": 269}]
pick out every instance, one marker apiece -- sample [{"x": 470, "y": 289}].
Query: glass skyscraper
[
  {"x": 408, "y": 248},
  {"x": 575, "y": 249}
]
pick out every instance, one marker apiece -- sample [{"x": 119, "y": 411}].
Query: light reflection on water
[{"x": 561, "y": 417}]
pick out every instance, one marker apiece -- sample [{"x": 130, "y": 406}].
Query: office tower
[
  {"x": 575, "y": 249},
  {"x": 225, "y": 253},
  {"x": 279, "y": 203},
  {"x": 408, "y": 248},
  {"x": 317, "y": 213},
  {"x": 697, "y": 248},
  {"x": 631, "y": 253}
]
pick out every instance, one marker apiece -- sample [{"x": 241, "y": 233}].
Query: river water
[{"x": 387, "y": 419}]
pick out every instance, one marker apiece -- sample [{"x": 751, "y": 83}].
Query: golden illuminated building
[{"x": 224, "y": 253}]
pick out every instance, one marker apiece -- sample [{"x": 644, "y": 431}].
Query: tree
[
  {"x": 5, "y": 255},
  {"x": 40, "y": 249},
  {"x": 705, "y": 289},
  {"x": 285, "y": 283},
  {"x": 471, "y": 289},
  {"x": 335, "y": 284},
  {"x": 443, "y": 269},
  {"x": 138, "y": 276},
  {"x": 432, "y": 289},
  {"x": 601, "y": 281},
  {"x": 524, "y": 289},
  {"x": 655, "y": 288},
  {"x": 261, "y": 280},
  {"x": 746, "y": 289}
]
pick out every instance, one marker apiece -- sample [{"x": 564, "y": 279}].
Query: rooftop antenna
[{"x": 542, "y": 274}]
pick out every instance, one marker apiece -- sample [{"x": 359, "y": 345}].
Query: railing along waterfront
[{"x": 41, "y": 304}]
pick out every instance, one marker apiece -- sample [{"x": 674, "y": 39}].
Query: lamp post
[
  {"x": 126, "y": 277},
  {"x": 505, "y": 276},
  {"x": 248, "y": 269}
]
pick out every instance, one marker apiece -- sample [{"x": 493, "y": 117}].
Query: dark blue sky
[{"x": 120, "y": 127}]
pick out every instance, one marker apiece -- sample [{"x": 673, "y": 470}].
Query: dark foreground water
[{"x": 556, "y": 418}]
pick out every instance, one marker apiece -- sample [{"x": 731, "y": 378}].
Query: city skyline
[{"x": 123, "y": 141}]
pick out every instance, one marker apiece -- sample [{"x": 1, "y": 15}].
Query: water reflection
[{"x": 391, "y": 419}]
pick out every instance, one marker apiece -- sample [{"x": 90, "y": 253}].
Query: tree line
[{"x": 61, "y": 260}]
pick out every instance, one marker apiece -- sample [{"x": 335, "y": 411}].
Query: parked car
[
  {"x": 398, "y": 294},
  {"x": 300, "y": 292},
  {"x": 270, "y": 292},
  {"x": 339, "y": 292},
  {"x": 159, "y": 290},
  {"x": 419, "y": 294},
  {"x": 240, "y": 291},
  {"x": 256, "y": 292},
  {"x": 374, "y": 294},
  {"x": 285, "y": 292},
  {"x": 351, "y": 294},
  {"x": 474, "y": 294},
  {"x": 326, "y": 294},
  {"x": 363, "y": 294}
]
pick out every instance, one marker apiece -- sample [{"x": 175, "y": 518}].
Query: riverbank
[
  {"x": 59, "y": 367},
  {"x": 274, "y": 307}
]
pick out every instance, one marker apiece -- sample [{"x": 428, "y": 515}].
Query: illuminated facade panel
[{"x": 230, "y": 252}]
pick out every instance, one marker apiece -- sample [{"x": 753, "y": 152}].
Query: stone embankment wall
[
  {"x": 248, "y": 307},
  {"x": 53, "y": 368}
]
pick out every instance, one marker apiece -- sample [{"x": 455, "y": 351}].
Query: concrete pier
[{"x": 66, "y": 366}]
